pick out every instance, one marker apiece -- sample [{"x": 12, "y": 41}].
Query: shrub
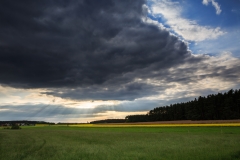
[{"x": 15, "y": 126}]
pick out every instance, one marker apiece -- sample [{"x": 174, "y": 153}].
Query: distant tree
[{"x": 15, "y": 126}]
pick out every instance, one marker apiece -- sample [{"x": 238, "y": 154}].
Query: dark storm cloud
[
  {"x": 94, "y": 50},
  {"x": 201, "y": 73},
  {"x": 51, "y": 44}
]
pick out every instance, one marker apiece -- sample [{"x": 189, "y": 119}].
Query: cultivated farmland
[{"x": 121, "y": 142}]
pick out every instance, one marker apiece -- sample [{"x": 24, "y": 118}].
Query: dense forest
[{"x": 213, "y": 107}]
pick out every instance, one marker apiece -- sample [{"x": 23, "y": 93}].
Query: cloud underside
[
  {"x": 80, "y": 50},
  {"x": 69, "y": 44}
]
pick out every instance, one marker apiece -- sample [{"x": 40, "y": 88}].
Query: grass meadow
[{"x": 121, "y": 142}]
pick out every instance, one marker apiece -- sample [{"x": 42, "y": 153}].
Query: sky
[{"x": 80, "y": 61}]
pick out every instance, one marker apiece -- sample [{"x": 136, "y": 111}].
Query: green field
[{"x": 113, "y": 143}]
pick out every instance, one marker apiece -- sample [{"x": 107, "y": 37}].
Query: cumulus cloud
[
  {"x": 85, "y": 50},
  {"x": 188, "y": 29},
  {"x": 214, "y": 4}
]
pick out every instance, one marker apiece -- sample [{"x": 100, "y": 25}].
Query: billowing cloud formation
[
  {"x": 214, "y": 4},
  {"x": 48, "y": 44},
  {"x": 188, "y": 80}
]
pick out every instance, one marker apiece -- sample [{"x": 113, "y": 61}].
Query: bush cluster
[{"x": 15, "y": 126}]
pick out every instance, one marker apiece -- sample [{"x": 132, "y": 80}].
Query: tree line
[
  {"x": 221, "y": 106},
  {"x": 23, "y": 122},
  {"x": 109, "y": 121}
]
